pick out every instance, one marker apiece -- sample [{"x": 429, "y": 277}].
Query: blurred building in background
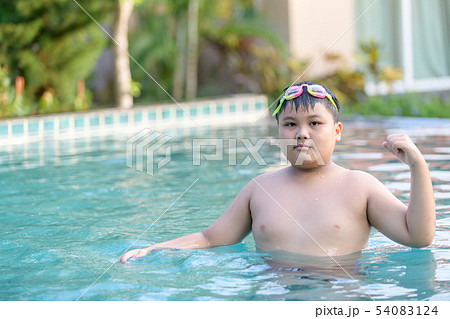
[{"x": 413, "y": 35}]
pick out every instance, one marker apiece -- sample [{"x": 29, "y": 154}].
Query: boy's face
[{"x": 313, "y": 132}]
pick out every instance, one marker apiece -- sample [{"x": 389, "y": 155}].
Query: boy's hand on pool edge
[
  {"x": 403, "y": 148},
  {"x": 133, "y": 255}
]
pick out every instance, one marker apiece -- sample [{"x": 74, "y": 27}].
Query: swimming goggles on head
[{"x": 295, "y": 91}]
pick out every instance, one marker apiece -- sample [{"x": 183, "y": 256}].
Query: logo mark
[{"x": 147, "y": 145}]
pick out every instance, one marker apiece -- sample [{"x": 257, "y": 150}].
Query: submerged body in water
[
  {"x": 343, "y": 266},
  {"x": 411, "y": 273}
]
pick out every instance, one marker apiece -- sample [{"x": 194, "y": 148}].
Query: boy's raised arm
[
  {"x": 230, "y": 228},
  {"x": 413, "y": 225}
]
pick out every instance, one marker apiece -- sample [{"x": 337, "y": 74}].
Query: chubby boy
[{"x": 314, "y": 206}]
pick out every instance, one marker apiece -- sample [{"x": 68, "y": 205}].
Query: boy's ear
[{"x": 338, "y": 128}]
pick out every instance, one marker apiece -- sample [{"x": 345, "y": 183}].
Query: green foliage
[
  {"x": 411, "y": 104},
  {"x": 243, "y": 45},
  {"x": 346, "y": 84},
  {"x": 48, "y": 103},
  {"x": 12, "y": 102},
  {"x": 370, "y": 54},
  {"x": 53, "y": 44},
  {"x": 256, "y": 60},
  {"x": 152, "y": 44},
  {"x": 5, "y": 81},
  {"x": 135, "y": 88}
]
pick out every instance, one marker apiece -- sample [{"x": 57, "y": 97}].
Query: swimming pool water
[{"x": 70, "y": 208}]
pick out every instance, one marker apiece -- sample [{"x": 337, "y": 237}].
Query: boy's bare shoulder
[
  {"x": 270, "y": 176},
  {"x": 258, "y": 181},
  {"x": 361, "y": 178},
  {"x": 265, "y": 180}
]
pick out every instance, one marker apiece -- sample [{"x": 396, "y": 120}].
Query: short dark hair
[{"x": 307, "y": 101}]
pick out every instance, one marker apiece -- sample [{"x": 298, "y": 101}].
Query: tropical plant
[
  {"x": 236, "y": 51},
  {"x": 371, "y": 52},
  {"x": 241, "y": 54},
  {"x": 51, "y": 43},
  {"x": 410, "y": 104},
  {"x": 346, "y": 83}
]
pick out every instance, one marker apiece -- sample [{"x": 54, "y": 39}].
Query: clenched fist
[{"x": 401, "y": 146}]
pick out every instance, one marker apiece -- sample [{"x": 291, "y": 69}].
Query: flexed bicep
[
  {"x": 386, "y": 212},
  {"x": 413, "y": 225}
]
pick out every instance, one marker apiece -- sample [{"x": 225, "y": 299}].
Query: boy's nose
[{"x": 302, "y": 133}]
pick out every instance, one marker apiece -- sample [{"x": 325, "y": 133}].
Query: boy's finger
[{"x": 389, "y": 147}]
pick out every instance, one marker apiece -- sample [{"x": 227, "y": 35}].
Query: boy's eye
[
  {"x": 314, "y": 123},
  {"x": 290, "y": 124}
]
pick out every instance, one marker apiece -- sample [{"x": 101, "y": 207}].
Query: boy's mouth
[{"x": 301, "y": 147}]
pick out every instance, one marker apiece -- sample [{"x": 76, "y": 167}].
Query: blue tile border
[
  {"x": 18, "y": 129},
  {"x": 232, "y": 109},
  {"x": 151, "y": 115},
  {"x": 123, "y": 118},
  {"x": 79, "y": 122},
  {"x": 64, "y": 123},
  {"x": 3, "y": 130},
  {"x": 109, "y": 119},
  {"x": 49, "y": 125},
  {"x": 94, "y": 121},
  {"x": 33, "y": 127},
  {"x": 137, "y": 116}
]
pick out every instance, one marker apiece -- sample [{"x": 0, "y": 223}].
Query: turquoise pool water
[{"x": 70, "y": 208}]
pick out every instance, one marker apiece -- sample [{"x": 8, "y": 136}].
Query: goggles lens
[
  {"x": 317, "y": 91},
  {"x": 293, "y": 92}
]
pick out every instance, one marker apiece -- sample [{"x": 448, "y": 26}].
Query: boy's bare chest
[
  {"x": 313, "y": 212},
  {"x": 286, "y": 217}
]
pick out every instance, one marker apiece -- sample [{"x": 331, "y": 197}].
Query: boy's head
[{"x": 306, "y": 95}]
